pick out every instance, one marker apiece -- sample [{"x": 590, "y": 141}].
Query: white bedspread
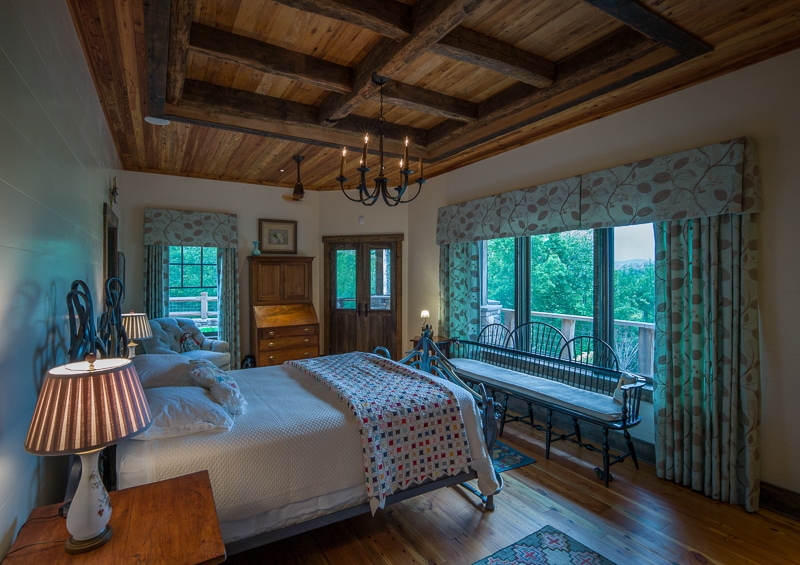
[{"x": 295, "y": 454}]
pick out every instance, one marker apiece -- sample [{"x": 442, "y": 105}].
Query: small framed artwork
[{"x": 277, "y": 236}]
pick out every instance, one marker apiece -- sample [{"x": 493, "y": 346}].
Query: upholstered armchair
[{"x": 180, "y": 336}]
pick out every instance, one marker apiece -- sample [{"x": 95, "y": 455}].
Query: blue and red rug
[
  {"x": 505, "y": 457},
  {"x": 548, "y": 546}
]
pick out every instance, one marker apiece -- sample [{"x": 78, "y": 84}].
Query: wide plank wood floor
[{"x": 638, "y": 520}]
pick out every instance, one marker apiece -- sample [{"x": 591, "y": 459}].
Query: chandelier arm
[{"x": 419, "y": 184}]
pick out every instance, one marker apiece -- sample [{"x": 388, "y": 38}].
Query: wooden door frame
[{"x": 383, "y": 238}]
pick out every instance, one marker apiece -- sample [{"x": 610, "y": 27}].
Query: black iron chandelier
[{"x": 392, "y": 196}]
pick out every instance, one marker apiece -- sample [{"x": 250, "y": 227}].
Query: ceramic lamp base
[
  {"x": 82, "y": 546},
  {"x": 132, "y": 349}
]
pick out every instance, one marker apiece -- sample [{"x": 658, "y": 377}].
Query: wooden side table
[
  {"x": 172, "y": 521},
  {"x": 441, "y": 341}
]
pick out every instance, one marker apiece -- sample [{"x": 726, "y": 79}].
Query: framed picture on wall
[{"x": 277, "y": 236}]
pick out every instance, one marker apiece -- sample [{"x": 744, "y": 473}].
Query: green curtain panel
[
  {"x": 459, "y": 290},
  {"x": 156, "y": 281},
  {"x": 228, "y": 293},
  {"x": 707, "y": 384}
]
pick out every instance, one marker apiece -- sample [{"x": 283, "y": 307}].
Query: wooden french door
[{"x": 363, "y": 298}]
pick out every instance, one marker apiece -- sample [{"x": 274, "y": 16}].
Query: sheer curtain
[{"x": 706, "y": 393}]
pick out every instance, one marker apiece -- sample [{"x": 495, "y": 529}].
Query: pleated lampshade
[
  {"x": 137, "y": 326},
  {"x": 84, "y": 407}
]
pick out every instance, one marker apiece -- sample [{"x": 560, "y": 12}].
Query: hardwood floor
[{"x": 638, "y": 520}]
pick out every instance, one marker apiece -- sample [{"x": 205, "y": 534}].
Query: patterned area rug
[
  {"x": 548, "y": 546},
  {"x": 505, "y": 457}
]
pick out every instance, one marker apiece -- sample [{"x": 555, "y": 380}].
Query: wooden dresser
[{"x": 283, "y": 323}]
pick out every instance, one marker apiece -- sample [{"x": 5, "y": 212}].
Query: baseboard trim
[{"x": 780, "y": 500}]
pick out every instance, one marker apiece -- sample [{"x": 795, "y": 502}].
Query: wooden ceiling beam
[
  {"x": 433, "y": 19},
  {"x": 238, "y": 110},
  {"x": 469, "y": 46},
  {"x": 270, "y": 59},
  {"x": 389, "y": 18},
  {"x": 429, "y": 102},
  {"x": 613, "y": 52},
  {"x": 652, "y": 25},
  {"x": 156, "y": 35},
  {"x": 180, "y": 23}
]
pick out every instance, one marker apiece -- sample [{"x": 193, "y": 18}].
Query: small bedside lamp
[
  {"x": 82, "y": 408},
  {"x": 424, "y": 315},
  {"x": 137, "y": 326}
]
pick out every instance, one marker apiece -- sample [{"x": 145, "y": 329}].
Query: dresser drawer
[
  {"x": 266, "y": 358},
  {"x": 286, "y": 331},
  {"x": 288, "y": 342}
]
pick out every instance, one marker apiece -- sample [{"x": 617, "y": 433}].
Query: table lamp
[
  {"x": 82, "y": 408},
  {"x": 137, "y": 326},
  {"x": 424, "y": 315}
]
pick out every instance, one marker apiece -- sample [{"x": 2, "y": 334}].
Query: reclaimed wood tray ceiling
[{"x": 247, "y": 84}]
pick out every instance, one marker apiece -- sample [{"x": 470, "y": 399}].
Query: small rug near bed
[
  {"x": 505, "y": 457},
  {"x": 548, "y": 546}
]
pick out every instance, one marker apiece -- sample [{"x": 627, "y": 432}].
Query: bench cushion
[{"x": 592, "y": 404}]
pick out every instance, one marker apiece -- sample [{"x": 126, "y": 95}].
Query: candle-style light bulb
[
  {"x": 364, "y": 156},
  {"x": 341, "y": 169},
  {"x": 405, "y": 155}
]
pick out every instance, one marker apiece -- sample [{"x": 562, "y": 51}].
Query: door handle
[
  {"x": 366, "y": 309},
  {"x": 358, "y": 309}
]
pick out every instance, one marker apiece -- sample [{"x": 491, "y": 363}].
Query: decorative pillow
[
  {"x": 182, "y": 410},
  {"x": 624, "y": 379},
  {"x": 220, "y": 384},
  {"x": 163, "y": 370},
  {"x": 188, "y": 343}
]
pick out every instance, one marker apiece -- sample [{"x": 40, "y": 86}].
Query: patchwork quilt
[{"x": 411, "y": 426}]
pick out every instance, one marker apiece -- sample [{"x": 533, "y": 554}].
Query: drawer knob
[
  {"x": 306, "y": 340},
  {"x": 271, "y": 344},
  {"x": 307, "y": 353},
  {"x": 306, "y": 330},
  {"x": 272, "y": 358},
  {"x": 271, "y": 334}
]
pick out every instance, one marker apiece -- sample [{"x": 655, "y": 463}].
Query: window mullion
[
  {"x": 604, "y": 285},
  {"x": 522, "y": 276}
]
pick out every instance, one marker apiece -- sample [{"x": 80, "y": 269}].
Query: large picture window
[{"x": 574, "y": 280}]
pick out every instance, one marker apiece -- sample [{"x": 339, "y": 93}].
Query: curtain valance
[
  {"x": 187, "y": 228},
  {"x": 706, "y": 181}
]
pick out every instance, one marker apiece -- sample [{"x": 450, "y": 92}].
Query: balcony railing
[
  {"x": 203, "y": 318},
  {"x": 645, "y": 344}
]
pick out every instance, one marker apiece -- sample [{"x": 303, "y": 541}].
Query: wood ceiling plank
[
  {"x": 180, "y": 22},
  {"x": 429, "y": 102},
  {"x": 389, "y": 18},
  {"x": 433, "y": 19},
  {"x": 613, "y": 52},
  {"x": 469, "y": 46},
  {"x": 652, "y": 25},
  {"x": 270, "y": 59}
]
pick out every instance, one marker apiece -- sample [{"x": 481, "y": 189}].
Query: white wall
[
  {"x": 760, "y": 101},
  {"x": 56, "y": 166},
  {"x": 250, "y": 202}
]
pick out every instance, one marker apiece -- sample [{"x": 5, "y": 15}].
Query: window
[
  {"x": 193, "y": 280},
  {"x": 574, "y": 281}
]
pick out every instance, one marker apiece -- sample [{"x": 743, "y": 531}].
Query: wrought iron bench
[{"x": 585, "y": 392}]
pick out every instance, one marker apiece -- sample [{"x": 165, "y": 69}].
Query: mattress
[{"x": 293, "y": 456}]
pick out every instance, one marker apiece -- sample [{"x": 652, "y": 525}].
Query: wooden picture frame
[{"x": 277, "y": 236}]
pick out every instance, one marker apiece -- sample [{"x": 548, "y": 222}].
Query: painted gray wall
[{"x": 57, "y": 161}]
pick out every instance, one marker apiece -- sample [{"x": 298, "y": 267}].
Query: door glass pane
[
  {"x": 634, "y": 298},
  {"x": 562, "y": 281},
  {"x": 380, "y": 271},
  {"x": 346, "y": 279}
]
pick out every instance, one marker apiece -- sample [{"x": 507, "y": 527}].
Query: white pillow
[
  {"x": 624, "y": 379},
  {"x": 182, "y": 410},
  {"x": 159, "y": 369},
  {"x": 220, "y": 384}
]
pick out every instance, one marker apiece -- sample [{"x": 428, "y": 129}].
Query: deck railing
[
  {"x": 645, "y": 346},
  {"x": 203, "y": 317}
]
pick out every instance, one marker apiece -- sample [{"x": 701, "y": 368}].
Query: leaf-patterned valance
[
  {"x": 707, "y": 181},
  {"x": 187, "y": 228}
]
